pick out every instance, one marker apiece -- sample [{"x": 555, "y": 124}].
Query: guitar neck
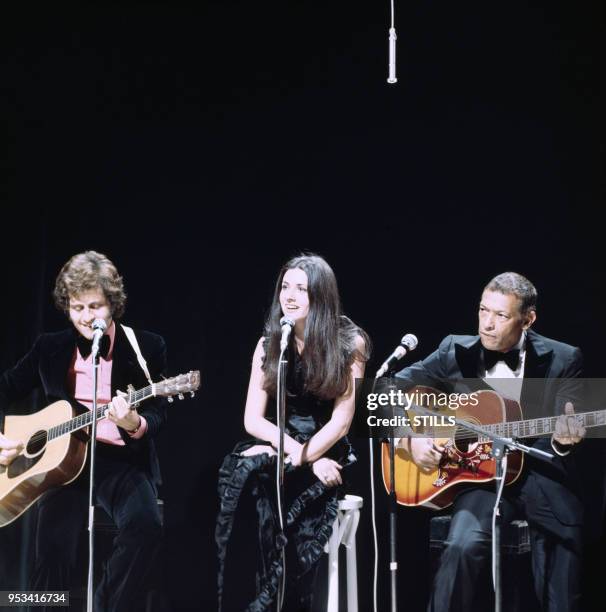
[
  {"x": 530, "y": 428},
  {"x": 86, "y": 418}
]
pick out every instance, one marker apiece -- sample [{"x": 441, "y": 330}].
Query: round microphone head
[
  {"x": 286, "y": 321},
  {"x": 99, "y": 324},
  {"x": 410, "y": 341}
]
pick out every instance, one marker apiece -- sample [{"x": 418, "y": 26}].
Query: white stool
[{"x": 344, "y": 532}]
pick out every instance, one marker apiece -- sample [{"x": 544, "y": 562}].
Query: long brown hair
[{"x": 330, "y": 337}]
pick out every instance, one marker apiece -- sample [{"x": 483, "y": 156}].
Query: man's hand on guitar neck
[
  {"x": 9, "y": 449},
  {"x": 425, "y": 452},
  {"x": 120, "y": 413},
  {"x": 568, "y": 431}
]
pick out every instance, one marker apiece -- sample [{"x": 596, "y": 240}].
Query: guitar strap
[{"x": 130, "y": 334}]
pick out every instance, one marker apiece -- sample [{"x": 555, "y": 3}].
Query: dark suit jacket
[
  {"x": 46, "y": 366},
  {"x": 558, "y": 364}
]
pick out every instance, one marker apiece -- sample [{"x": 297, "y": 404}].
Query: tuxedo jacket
[
  {"x": 559, "y": 366},
  {"x": 46, "y": 367}
]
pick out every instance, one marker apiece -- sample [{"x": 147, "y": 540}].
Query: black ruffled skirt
[{"x": 311, "y": 508}]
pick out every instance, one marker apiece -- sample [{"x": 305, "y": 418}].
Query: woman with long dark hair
[{"x": 326, "y": 353}]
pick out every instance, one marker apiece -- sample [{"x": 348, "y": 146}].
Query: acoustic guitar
[
  {"x": 467, "y": 460},
  {"x": 55, "y": 444}
]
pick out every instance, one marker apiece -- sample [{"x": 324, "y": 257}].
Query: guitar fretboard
[
  {"x": 537, "y": 427},
  {"x": 86, "y": 418}
]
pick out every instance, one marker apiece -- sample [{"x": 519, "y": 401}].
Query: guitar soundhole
[{"x": 36, "y": 443}]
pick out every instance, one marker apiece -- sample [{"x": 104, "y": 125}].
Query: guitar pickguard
[
  {"x": 21, "y": 464},
  {"x": 455, "y": 463}
]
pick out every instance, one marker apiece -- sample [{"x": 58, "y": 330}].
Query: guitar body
[
  {"x": 460, "y": 467},
  {"x": 40, "y": 465},
  {"x": 43, "y": 463}
]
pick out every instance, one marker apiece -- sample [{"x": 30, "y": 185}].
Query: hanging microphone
[
  {"x": 392, "y": 56},
  {"x": 99, "y": 327},
  {"x": 287, "y": 324},
  {"x": 408, "y": 343}
]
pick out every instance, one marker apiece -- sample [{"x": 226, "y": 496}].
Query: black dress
[{"x": 311, "y": 508}]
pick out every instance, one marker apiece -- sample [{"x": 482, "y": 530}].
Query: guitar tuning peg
[
  {"x": 170, "y": 399},
  {"x": 180, "y": 396},
  {"x": 191, "y": 394}
]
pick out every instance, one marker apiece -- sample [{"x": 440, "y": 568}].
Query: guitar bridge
[{"x": 470, "y": 466}]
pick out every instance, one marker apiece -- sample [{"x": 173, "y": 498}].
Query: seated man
[
  {"x": 506, "y": 348},
  {"x": 127, "y": 472}
]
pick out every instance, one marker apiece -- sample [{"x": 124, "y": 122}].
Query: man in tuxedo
[
  {"x": 127, "y": 472},
  {"x": 506, "y": 353}
]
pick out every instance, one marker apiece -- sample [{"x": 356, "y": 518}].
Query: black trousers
[
  {"x": 126, "y": 492},
  {"x": 555, "y": 550}
]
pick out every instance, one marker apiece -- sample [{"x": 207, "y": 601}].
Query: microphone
[
  {"x": 99, "y": 327},
  {"x": 392, "y": 57},
  {"x": 408, "y": 343},
  {"x": 287, "y": 324}
]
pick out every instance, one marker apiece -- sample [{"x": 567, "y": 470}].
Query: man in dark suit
[
  {"x": 127, "y": 471},
  {"x": 506, "y": 355}
]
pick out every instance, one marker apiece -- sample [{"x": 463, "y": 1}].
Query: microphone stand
[
  {"x": 393, "y": 502},
  {"x": 393, "y": 508},
  {"x": 500, "y": 449},
  {"x": 408, "y": 343},
  {"x": 281, "y": 418},
  {"x": 91, "y": 486}
]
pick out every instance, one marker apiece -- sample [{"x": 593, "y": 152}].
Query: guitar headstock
[{"x": 178, "y": 385}]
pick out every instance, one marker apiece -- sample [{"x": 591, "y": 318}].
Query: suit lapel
[
  {"x": 470, "y": 361},
  {"x": 468, "y": 357},
  {"x": 538, "y": 357},
  {"x": 538, "y": 362},
  {"x": 60, "y": 359}
]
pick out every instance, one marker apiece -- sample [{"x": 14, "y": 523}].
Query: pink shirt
[{"x": 80, "y": 387}]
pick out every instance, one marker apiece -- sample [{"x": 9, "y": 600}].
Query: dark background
[{"x": 201, "y": 147}]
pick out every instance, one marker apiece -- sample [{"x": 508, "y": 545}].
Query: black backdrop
[{"x": 201, "y": 147}]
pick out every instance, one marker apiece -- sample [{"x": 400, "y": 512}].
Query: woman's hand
[
  {"x": 259, "y": 449},
  {"x": 327, "y": 471}
]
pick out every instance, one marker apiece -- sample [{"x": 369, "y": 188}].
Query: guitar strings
[
  {"x": 461, "y": 435},
  {"x": 523, "y": 427},
  {"x": 72, "y": 424},
  {"x": 134, "y": 397}
]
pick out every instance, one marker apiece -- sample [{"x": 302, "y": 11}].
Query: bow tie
[
  {"x": 85, "y": 346},
  {"x": 511, "y": 358}
]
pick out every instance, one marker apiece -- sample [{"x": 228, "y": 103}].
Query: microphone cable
[
  {"x": 371, "y": 451},
  {"x": 495, "y": 512}
]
